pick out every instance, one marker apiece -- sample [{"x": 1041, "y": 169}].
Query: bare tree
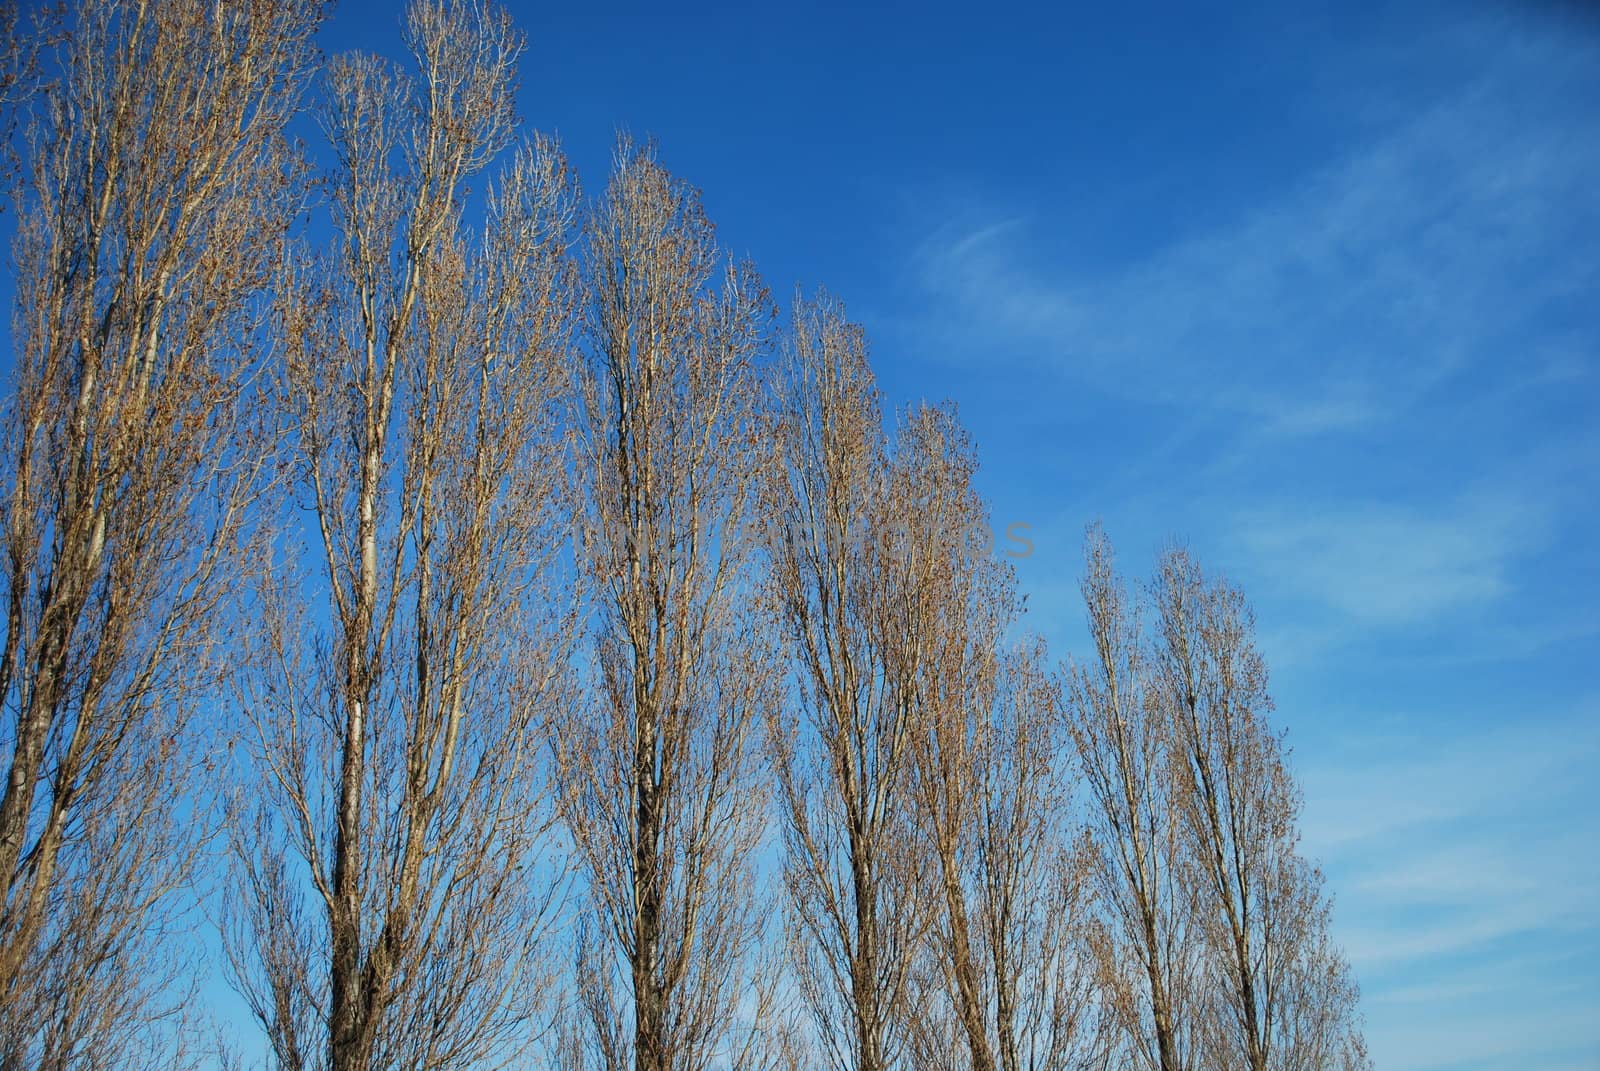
[
  {"x": 1144, "y": 944},
  {"x": 153, "y": 197},
  {"x": 1196, "y": 834},
  {"x": 1012, "y": 985},
  {"x": 1003, "y": 985},
  {"x": 660, "y": 774},
  {"x": 400, "y": 690},
  {"x": 956, "y": 686},
  {"x": 1281, "y": 996},
  {"x": 852, "y": 545}
]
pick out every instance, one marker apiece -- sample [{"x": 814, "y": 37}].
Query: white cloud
[
  {"x": 1422, "y": 287},
  {"x": 1327, "y": 306},
  {"x": 1390, "y": 564},
  {"x": 1464, "y": 868}
]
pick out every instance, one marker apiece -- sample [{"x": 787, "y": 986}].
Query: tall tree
[
  {"x": 660, "y": 775},
  {"x": 851, "y": 544},
  {"x": 1280, "y": 997},
  {"x": 1011, "y": 986},
  {"x": 1002, "y": 985},
  {"x": 154, "y": 191},
  {"x": 401, "y": 687},
  {"x": 1196, "y": 829},
  {"x": 1144, "y": 945},
  {"x": 955, "y": 687}
]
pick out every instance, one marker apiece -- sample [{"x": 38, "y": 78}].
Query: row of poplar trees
[{"x": 464, "y": 614}]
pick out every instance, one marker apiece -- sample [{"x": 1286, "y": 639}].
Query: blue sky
[{"x": 1311, "y": 288}]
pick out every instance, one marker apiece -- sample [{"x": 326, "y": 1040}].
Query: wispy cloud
[
  {"x": 1391, "y": 563},
  {"x": 1368, "y": 391},
  {"x": 1465, "y": 872},
  {"x": 1329, "y": 305}
]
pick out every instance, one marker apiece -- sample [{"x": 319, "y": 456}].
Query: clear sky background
[
  {"x": 1312, "y": 288},
  {"x": 1315, "y": 289}
]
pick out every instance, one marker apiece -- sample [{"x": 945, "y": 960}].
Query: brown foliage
[
  {"x": 152, "y": 209},
  {"x": 660, "y": 785},
  {"x": 344, "y": 480},
  {"x": 397, "y": 749},
  {"x": 1213, "y": 947},
  {"x": 842, "y": 582}
]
